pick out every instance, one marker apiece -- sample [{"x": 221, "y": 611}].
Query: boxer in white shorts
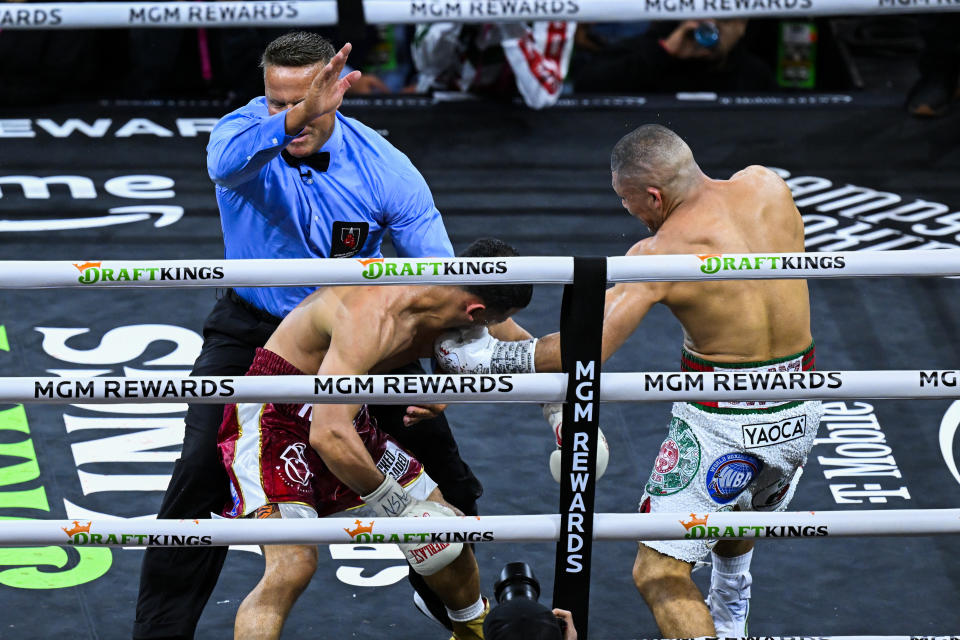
[
  {"x": 721, "y": 456},
  {"x": 726, "y": 323}
]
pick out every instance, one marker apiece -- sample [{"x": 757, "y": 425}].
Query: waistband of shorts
[
  {"x": 252, "y": 309},
  {"x": 268, "y": 363},
  {"x": 770, "y": 407},
  {"x": 690, "y": 362}
]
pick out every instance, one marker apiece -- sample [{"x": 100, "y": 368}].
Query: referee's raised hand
[{"x": 325, "y": 92}]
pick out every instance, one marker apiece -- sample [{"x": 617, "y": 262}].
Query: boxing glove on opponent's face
[
  {"x": 553, "y": 412},
  {"x": 474, "y": 350},
  {"x": 390, "y": 500}
]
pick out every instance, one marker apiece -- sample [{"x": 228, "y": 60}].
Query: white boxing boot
[{"x": 729, "y": 597}]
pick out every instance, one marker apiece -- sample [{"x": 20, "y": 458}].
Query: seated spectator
[
  {"x": 667, "y": 58},
  {"x": 386, "y": 67},
  {"x": 498, "y": 60}
]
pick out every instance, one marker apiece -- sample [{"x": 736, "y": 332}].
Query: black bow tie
[{"x": 317, "y": 161}]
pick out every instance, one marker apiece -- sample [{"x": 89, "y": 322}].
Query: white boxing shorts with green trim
[{"x": 717, "y": 461}]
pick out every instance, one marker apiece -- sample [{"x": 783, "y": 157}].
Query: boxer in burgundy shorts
[{"x": 266, "y": 451}]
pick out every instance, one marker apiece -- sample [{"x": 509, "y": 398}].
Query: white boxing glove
[
  {"x": 474, "y": 350},
  {"x": 390, "y": 500},
  {"x": 553, "y": 412}
]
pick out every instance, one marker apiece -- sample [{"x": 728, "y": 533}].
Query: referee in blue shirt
[{"x": 295, "y": 179}]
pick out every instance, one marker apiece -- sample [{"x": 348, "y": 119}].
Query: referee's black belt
[{"x": 253, "y": 310}]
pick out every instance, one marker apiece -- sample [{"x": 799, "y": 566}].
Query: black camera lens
[
  {"x": 518, "y": 615},
  {"x": 516, "y": 581}
]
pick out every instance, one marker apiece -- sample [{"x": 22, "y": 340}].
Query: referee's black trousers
[{"x": 175, "y": 583}]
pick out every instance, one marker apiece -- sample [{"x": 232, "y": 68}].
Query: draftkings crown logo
[
  {"x": 86, "y": 265},
  {"x": 360, "y": 529},
  {"x": 77, "y": 528},
  {"x": 694, "y": 521}
]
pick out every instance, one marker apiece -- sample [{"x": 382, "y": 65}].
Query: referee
[{"x": 295, "y": 179}]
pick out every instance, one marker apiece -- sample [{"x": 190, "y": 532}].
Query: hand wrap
[{"x": 426, "y": 558}]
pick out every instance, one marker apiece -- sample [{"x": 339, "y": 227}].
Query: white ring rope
[
  {"x": 38, "y": 274},
  {"x": 279, "y": 13},
  {"x": 658, "y": 386},
  {"x": 522, "y": 528}
]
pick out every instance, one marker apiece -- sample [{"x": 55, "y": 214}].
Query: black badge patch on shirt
[{"x": 348, "y": 238}]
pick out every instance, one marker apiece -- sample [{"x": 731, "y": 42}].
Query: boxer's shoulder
[
  {"x": 678, "y": 236},
  {"x": 755, "y": 172},
  {"x": 761, "y": 181}
]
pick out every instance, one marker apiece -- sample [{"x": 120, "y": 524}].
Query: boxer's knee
[{"x": 288, "y": 570}]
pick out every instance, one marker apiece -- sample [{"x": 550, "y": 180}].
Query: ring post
[{"x": 581, "y": 331}]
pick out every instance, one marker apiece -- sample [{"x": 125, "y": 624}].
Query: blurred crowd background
[{"x": 914, "y": 56}]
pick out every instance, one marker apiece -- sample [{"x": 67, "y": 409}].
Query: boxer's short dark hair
[
  {"x": 297, "y": 49},
  {"x": 498, "y": 298},
  {"x": 647, "y": 152}
]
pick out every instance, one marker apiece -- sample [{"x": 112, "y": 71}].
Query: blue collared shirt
[{"x": 269, "y": 209}]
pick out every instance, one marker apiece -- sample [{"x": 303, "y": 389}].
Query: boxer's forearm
[
  {"x": 547, "y": 356},
  {"x": 509, "y": 330},
  {"x": 345, "y": 456}
]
